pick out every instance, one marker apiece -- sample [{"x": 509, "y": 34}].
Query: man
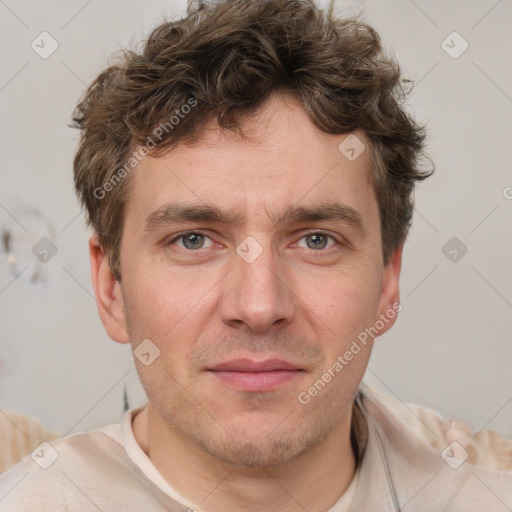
[{"x": 249, "y": 179}]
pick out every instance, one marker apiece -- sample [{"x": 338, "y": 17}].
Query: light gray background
[{"x": 451, "y": 348}]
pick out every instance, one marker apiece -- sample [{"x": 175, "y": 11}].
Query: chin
[
  {"x": 256, "y": 446},
  {"x": 256, "y": 455}
]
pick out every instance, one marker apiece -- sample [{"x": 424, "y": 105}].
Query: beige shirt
[
  {"x": 486, "y": 449},
  {"x": 106, "y": 469}
]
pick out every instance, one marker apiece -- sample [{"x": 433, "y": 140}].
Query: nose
[{"x": 255, "y": 295}]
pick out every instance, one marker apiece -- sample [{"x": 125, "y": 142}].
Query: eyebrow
[
  {"x": 207, "y": 213},
  {"x": 175, "y": 213}
]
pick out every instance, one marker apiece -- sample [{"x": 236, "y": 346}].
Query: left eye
[
  {"x": 192, "y": 241},
  {"x": 317, "y": 241}
]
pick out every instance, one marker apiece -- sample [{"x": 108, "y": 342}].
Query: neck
[{"x": 313, "y": 481}]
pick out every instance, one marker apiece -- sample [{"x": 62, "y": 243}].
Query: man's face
[{"x": 250, "y": 309}]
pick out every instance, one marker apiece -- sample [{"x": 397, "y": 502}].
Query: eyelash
[{"x": 199, "y": 232}]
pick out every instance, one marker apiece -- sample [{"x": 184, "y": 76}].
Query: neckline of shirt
[{"x": 123, "y": 434}]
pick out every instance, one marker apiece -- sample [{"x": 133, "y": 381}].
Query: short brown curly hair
[{"x": 222, "y": 61}]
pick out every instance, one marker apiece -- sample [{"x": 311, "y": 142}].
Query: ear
[
  {"x": 108, "y": 293},
  {"x": 389, "y": 304}
]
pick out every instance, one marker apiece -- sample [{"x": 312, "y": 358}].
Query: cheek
[
  {"x": 172, "y": 312},
  {"x": 158, "y": 302},
  {"x": 344, "y": 303}
]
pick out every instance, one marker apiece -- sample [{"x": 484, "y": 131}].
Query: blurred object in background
[{"x": 19, "y": 435}]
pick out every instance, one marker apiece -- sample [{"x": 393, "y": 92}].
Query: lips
[
  {"x": 255, "y": 376},
  {"x": 247, "y": 365}
]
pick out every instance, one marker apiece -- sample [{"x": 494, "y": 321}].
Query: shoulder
[
  {"x": 485, "y": 449},
  {"x": 428, "y": 470},
  {"x": 62, "y": 472}
]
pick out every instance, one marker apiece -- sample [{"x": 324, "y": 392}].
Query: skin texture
[{"x": 221, "y": 447}]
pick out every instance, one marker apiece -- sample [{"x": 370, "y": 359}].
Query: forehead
[{"x": 284, "y": 162}]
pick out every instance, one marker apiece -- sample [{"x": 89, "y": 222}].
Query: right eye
[{"x": 190, "y": 241}]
